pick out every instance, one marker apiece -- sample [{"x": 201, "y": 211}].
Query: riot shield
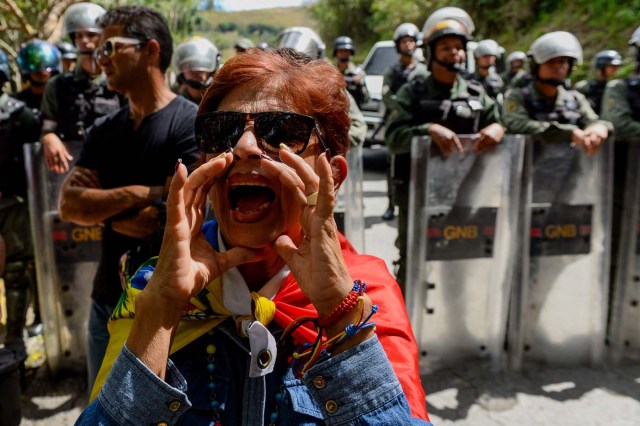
[
  {"x": 349, "y": 213},
  {"x": 624, "y": 324},
  {"x": 66, "y": 258},
  {"x": 563, "y": 293},
  {"x": 463, "y": 222}
]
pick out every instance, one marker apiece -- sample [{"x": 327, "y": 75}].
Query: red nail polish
[{"x": 178, "y": 164}]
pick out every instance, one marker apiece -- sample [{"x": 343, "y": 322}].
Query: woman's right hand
[
  {"x": 187, "y": 263},
  {"x": 56, "y": 154}
]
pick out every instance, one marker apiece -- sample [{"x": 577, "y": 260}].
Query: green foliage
[{"x": 598, "y": 24}]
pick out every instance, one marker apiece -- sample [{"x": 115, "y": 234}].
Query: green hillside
[{"x": 598, "y": 24}]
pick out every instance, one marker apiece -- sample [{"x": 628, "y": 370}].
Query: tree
[{"x": 23, "y": 20}]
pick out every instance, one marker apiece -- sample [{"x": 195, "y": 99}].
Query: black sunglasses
[{"x": 220, "y": 130}]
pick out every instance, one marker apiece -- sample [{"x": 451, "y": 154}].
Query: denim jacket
[{"x": 356, "y": 387}]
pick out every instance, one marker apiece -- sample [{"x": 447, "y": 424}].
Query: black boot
[{"x": 390, "y": 213}]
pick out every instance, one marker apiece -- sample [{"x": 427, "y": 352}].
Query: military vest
[
  {"x": 461, "y": 115},
  {"x": 399, "y": 76},
  {"x": 12, "y": 178},
  {"x": 633, "y": 96},
  {"x": 566, "y": 113},
  {"x": 357, "y": 90},
  {"x": 596, "y": 91},
  {"x": 79, "y": 104}
]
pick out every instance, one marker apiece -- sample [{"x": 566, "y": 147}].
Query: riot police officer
[
  {"x": 73, "y": 100},
  {"x": 17, "y": 127},
  {"x": 606, "y": 64},
  {"x": 69, "y": 55},
  {"x": 486, "y": 54},
  {"x": 343, "y": 50},
  {"x": 439, "y": 104},
  {"x": 515, "y": 68},
  {"x": 545, "y": 108},
  {"x": 242, "y": 44},
  {"x": 38, "y": 61},
  {"x": 621, "y": 106},
  {"x": 195, "y": 61},
  {"x": 405, "y": 38},
  {"x": 307, "y": 41}
]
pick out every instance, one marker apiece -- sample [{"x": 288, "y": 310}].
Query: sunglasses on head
[
  {"x": 220, "y": 130},
  {"x": 108, "y": 48}
]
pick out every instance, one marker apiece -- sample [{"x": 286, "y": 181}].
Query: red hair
[{"x": 312, "y": 87}]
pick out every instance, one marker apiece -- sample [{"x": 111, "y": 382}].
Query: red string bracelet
[{"x": 347, "y": 304}]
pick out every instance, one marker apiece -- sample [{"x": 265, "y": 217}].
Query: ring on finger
[{"x": 312, "y": 199}]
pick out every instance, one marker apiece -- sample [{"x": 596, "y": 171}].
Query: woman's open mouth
[{"x": 250, "y": 197}]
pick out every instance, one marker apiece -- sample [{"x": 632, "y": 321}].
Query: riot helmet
[
  {"x": 243, "y": 44},
  {"x": 606, "y": 57},
  {"x": 635, "y": 38},
  {"x": 487, "y": 47},
  {"x": 67, "y": 50},
  {"x": 343, "y": 42},
  {"x": 39, "y": 56},
  {"x": 196, "y": 54},
  {"x": 82, "y": 17},
  {"x": 553, "y": 45},
  {"x": 516, "y": 56},
  {"x": 5, "y": 70},
  {"x": 303, "y": 40},
  {"x": 635, "y": 42},
  {"x": 444, "y": 14},
  {"x": 446, "y": 28},
  {"x": 405, "y": 30}
]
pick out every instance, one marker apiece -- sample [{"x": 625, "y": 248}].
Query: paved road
[{"x": 468, "y": 395}]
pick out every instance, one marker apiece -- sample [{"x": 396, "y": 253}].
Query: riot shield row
[
  {"x": 66, "y": 257},
  {"x": 624, "y": 323},
  {"x": 509, "y": 254},
  {"x": 349, "y": 212}
]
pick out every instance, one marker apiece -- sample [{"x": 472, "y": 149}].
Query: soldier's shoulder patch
[{"x": 511, "y": 105}]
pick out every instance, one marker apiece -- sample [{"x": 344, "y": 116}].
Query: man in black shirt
[{"x": 128, "y": 157}]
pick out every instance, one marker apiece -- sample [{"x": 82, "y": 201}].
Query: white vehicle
[{"x": 381, "y": 57}]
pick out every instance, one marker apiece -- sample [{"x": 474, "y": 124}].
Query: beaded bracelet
[
  {"x": 346, "y": 306},
  {"x": 313, "y": 350}
]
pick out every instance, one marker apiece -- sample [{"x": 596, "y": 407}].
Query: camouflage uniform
[
  {"x": 528, "y": 112},
  {"x": 17, "y": 127},
  {"x": 357, "y": 90},
  {"x": 493, "y": 84},
  {"x": 621, "y": 106},
  {"x": 418, "y": 104},
  {"x": 508, "y": 78},
  {"x": 395, "y": 77},
  {"x": 593, "y": 90},
  {"x": 358, "y": 128}
]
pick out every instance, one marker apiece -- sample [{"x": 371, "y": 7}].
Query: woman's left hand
[{"x": 316, "y": 262}]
